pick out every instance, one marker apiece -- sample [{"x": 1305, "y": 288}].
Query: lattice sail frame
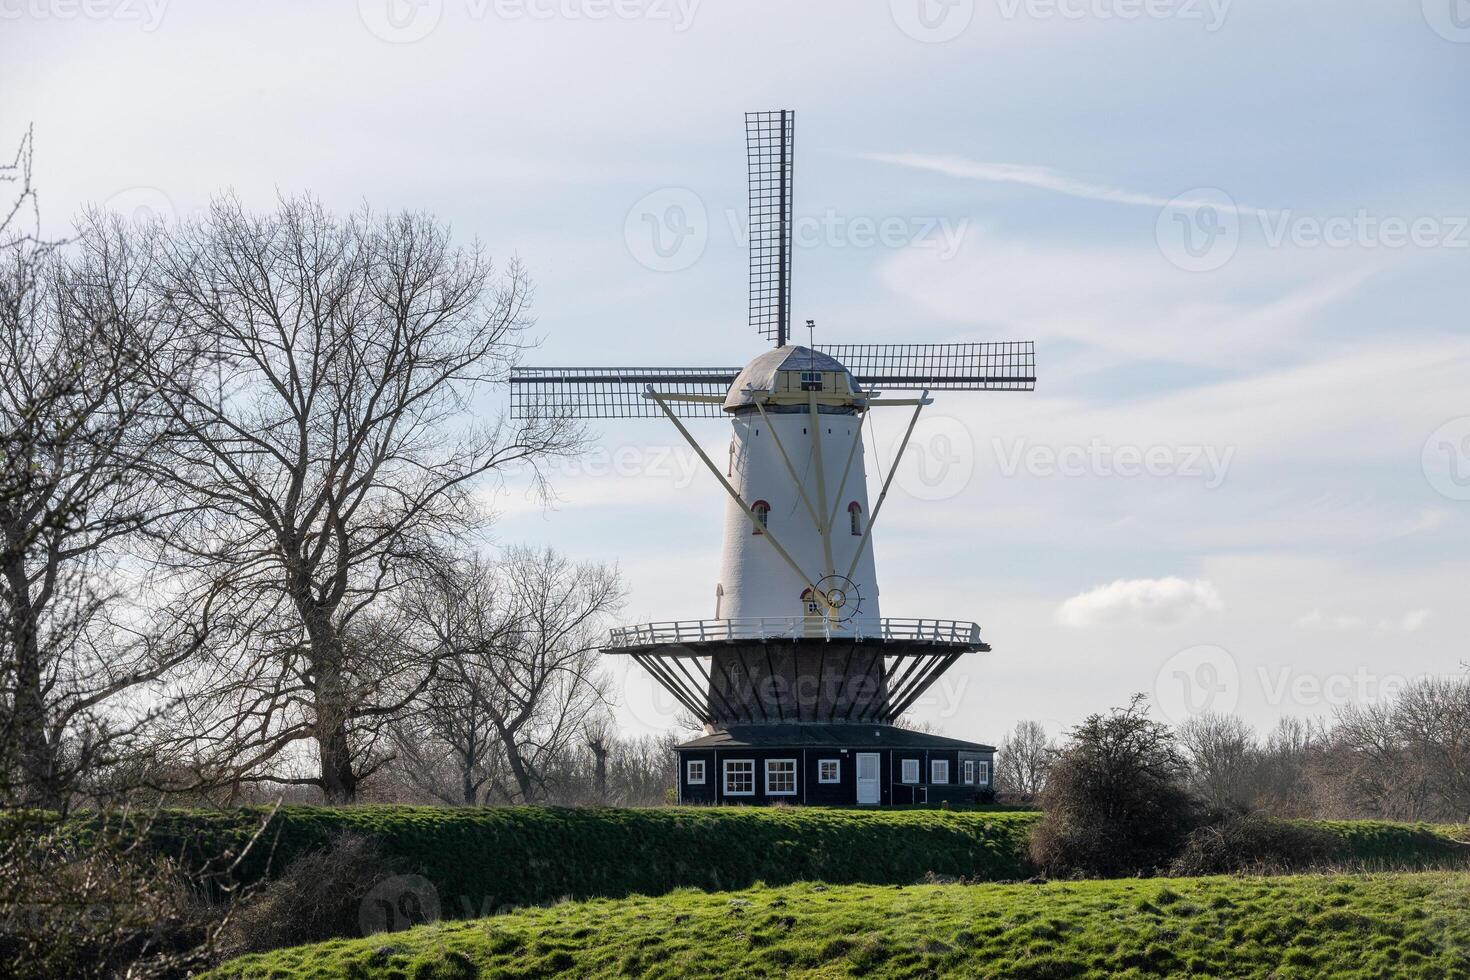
[
  {"x": 770, "y": 139},
  {"x": 994, "y": 366},
  {"x": 613, "y": 392},
  {"x": 618, "y": 392}
]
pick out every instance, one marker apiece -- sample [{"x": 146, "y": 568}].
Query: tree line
[
  {"x": 1403, "y": 758},
  {"x": 245, "y": 469}
]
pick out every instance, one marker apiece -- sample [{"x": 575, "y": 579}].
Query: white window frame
[
  {"x": 780, "y": 762},
  {"x": 725, "y": 773},
  {"x": 982, "y": 772},
  {"x": 969, "y": 771},
  {"x": 934, "y": 771},
  {"x": 836, "y": 774},
  {"x": 905, "y": 771},
  {"x": 689, "y": 772}
]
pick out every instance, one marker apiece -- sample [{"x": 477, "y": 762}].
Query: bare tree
[
  {"x": 520, "y": 643},
  {"x": 81, "y": 350},
  {"x": 1023, "y": 760},
  {"x": 1222, "y": 759},
  {"x": 333, "y": 460}
]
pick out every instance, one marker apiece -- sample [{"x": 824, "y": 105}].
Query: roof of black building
[{"x": 810, "y": 735}]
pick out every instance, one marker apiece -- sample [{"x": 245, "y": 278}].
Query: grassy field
[{"x": 1392, "y": 925}]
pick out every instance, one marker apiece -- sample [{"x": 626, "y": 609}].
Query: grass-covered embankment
[
  {"x": 485, "y": 858},
  {"x": 479, "y": 859},
  {"x": 1401, "y": 925}
]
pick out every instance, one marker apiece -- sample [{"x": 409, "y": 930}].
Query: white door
[{"x": 868, "y": 791}]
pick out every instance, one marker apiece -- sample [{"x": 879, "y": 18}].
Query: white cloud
[
  {"x": 1149, "y": 601},
  {"x": 1414, "y": 620},
  {"x": 1315, "y": 620},
  {"x": 1040, "y": 178},
  {"x": 1410, "y": 622}
]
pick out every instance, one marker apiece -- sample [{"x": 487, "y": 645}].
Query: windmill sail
[
  {"x": 769, "y": 143},
  {"x": 995, "y": 366},
  {"x": 613, "y": 392}
]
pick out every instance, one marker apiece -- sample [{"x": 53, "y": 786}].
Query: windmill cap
[{"x": 765, "y": 374}]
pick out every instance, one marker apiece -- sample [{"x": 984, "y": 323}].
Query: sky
[{"x": 1238, "y": 232}]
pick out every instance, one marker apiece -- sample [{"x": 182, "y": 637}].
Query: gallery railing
[{"x": 944, "y": 631}]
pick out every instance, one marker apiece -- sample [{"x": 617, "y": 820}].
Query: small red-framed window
[
  {"x": 855, "y": 518},
  {"x": 809, "y": 603},
  {"x": 762, "y": 512}
]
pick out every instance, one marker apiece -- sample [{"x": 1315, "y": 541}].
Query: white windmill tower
[{"x": 797, "y": 678}]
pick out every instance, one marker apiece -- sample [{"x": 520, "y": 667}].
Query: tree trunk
[
  {"x": 599, "y": 754},
  {"x": 339, "y": 782},
  {"x": 40, "y": 783},
  {"x": 333, "y": 710}
]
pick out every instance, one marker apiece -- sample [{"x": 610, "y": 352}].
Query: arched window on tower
[
  {"x": 855, "y": 518},
  {"x": 762, "y": 516}
]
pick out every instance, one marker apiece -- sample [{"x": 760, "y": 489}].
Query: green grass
[{"x": 1392, "y": 925}]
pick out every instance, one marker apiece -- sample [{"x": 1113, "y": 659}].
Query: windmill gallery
[{"x": 797, "y": 679}]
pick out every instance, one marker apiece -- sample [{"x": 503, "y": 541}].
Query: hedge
[{"x": 483, "y": 859}]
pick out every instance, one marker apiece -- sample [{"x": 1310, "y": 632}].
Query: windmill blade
[
  {"x": 770, "y": 139},
  {"x": 1000, "y": 366},
  {"x": 614, "y": 392}
]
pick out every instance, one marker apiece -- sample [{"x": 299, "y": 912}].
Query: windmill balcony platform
[{"x": 936, "y": 633}]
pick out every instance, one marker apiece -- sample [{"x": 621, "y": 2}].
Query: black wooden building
[{"x": 833, "y": 765}]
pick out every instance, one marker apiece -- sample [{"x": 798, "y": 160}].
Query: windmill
[{"x": 797, "y": 674}]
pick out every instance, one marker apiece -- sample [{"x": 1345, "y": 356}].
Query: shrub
[
  {"x": 97, "y": 905},
  {"x": 1257, "y": 844},
  {"x": 319, "y": 895},
  {"x": 1115, "y": 802}
]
